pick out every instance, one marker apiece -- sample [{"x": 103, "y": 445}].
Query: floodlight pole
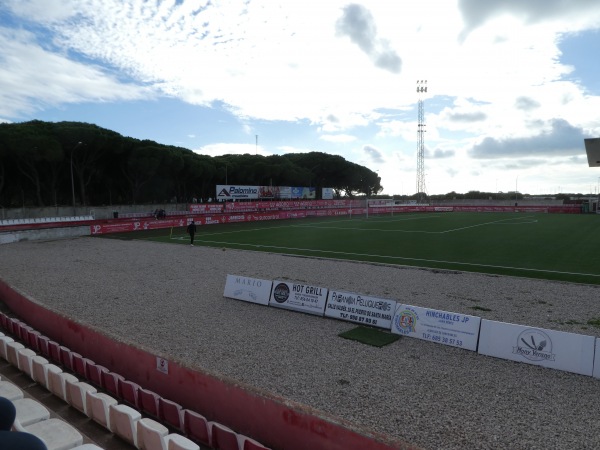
[{"x": 421, "y": 88}]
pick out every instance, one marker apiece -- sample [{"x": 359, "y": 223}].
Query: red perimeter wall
[{"x": 271, "y": 420}]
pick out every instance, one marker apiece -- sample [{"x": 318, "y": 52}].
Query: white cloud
[
  {"x": 340, "y": 138},
  {"x": 374, "y": 154},
  {"x": 558, "y": 138},
  {"x": 567, "y": 15},
  {"x": 32, "y": 78},
  {"x": 358, "y": 24},
  {"x": 289, "y": 149},
  {"x": 345, "y": 68},
  {"x": 231, "y": 149}
]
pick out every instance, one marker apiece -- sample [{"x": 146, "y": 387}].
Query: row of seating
[
  {"x": 149, "y": 215},
  {"x": 111, "y": 400},
  {"x": 7, "y": 222},
  {"x": 34, "y": 418}
]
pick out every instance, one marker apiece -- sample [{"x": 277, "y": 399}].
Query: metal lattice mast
[{"x": 421, "y": 190}]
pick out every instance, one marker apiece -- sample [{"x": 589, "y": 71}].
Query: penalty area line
[{"x": 403, "y": 258}]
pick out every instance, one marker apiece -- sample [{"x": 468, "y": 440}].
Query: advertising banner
[
  {"x": 327, "y": 194},
  {"x": 441, "y": 327},
  {"x": 597, "y": 359},
  {"x": 291, "y": 204},
  {"x": 263, "y": 216},
  {"x": 227, "y": 192},
  {"x": 251, "y": 290},
  {"x": 358, "y": 308},
  {"x": 136, "y": 225},
  {"x": 285, "y": 192},
  {"x": 298, "y": 297},
  {"x": 230, "y": 218},
  {"x": 296, "y": 192},
  {"x": 268, "y": 192},
  {"x": 560, "y": 350},
  {"x": 208, "y": 208}
]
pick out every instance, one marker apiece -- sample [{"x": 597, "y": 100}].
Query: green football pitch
[{"x": 549, "y": 246}]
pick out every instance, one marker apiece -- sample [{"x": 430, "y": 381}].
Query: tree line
[{"x": 64, "y": 163}]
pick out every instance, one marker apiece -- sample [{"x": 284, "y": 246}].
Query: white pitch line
[
  {"x": 371, "y": 229},
  {"x": 244, "y": 231},
  {"x": 495, "y": 222},
  {"x": 307, "y": 226},
  {"x": 418, "y": 231},
  {"x": 404, "y": 258}
]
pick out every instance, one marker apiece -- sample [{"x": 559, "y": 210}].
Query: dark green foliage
[
  {"x": 594, "y": 323},
  {"x": 480, "y": 308},
  {"x": 42, "y": 163}
]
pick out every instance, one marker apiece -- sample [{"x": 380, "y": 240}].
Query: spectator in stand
[{"x": 15, "y": 440}]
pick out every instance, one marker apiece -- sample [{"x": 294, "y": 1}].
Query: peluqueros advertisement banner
[{"x": 359, "y": 308}]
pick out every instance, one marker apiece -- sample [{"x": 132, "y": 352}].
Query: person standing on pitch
[{"x": 191, "y": 229}]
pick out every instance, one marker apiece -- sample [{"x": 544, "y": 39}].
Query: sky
[{"x": 513, "y": 86}]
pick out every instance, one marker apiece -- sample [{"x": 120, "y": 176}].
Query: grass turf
[
  {"x": 370, "y": 336},
  {"x": 548, "y": 246}
]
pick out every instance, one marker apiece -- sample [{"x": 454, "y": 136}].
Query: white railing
[{"x": 11, "y": 222}]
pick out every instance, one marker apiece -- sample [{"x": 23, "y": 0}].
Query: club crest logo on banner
[
  {"x": 406, "y": 321},
  {"x": 281, "y": 293}
]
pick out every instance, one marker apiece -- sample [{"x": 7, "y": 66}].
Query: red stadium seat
[
  {"x": 10, "y": 325},
  {"x": 79, "y": 364},
  {"x": 110, "y": 381},
  {"x": 250, "y": 444},
  {"x": 94, "y": 373},
  {"x": 222, "y": 438},
  {"x": 54, "y": 351},
  {"x": 129, "y": 392},
  {"x": 31, "y": 339},
  {"x": 195, "y": 427},
  {"x": 148, "y": 402},
  {"x": 65, "y": 358},
  {"x": 170, "y": 413},
  {"x": 43, "y": 342},
  {"x": 21, "y": 329}
]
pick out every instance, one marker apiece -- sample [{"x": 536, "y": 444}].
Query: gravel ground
[{"x": 433, "y": 396}]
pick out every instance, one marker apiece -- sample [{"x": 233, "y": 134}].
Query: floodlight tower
[{"x": 421, "y": 190}]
